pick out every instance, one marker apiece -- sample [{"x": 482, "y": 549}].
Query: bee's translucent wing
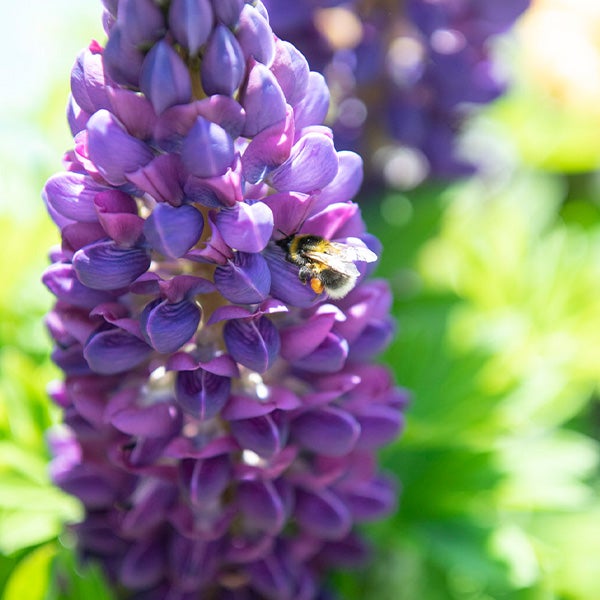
[
  {"x": 352, "y": 253},
  {"x": 335, "y": 262}
]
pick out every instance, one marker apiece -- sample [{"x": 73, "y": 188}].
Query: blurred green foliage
[{"x": 496, "y": 285}]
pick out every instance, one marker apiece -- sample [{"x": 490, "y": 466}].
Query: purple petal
[
  {"x": 228, "y": 11},
  {"x": 115, "y": 351},
  {"x": 223, "y": 64},
  {"x": 134, "y": 111},
  {"x": 72, "y": 195},
  {"x": 105, "y": 266},
  {"x": 122, "y": 60},
  {"x": 160, "y": 178},
  {"x": 246, "y": 227},
  {"x": 167, "y": 326},
  {"x": 207, "y": 150},
  {"x": 62, "y": 281},
  {"x": 191, "y": 22},
  {"x": 245, "y": 407},
  {"x": 312, "y": 109},
  {"x": 331, "y": 220},
  {"x": 114, "y": 201},
  {"x": 156, "y": 420},
  {"x": 313, "y": 164},
  {"x": 175, "y": 123},
  {"x": 305, "y": 337},
  {"x": 291, "y": 70},
  {"x": 329, "y": 357},
  {"x": 88, "y": 84},
  {"x": 205, "y": 479},
  {"x": 347, "y": 181},
  {"x": 144, "y": 564},
  {"x": 253, "y": 343},
  {"x": 322, "y": 514},
  {"x": 215, "y": 192},
  {"x": 85, "y": 482},
  {"x": 184, "y": 286},
  {"x": 262, "y": 100},
  {"x": 255, "y": 36},
  {"x": 285, "y": 284},
  {"x": 78, "y": 235},
  {"x": 374, "y": 338},
  {"x": 141, "y": 21},
  {"x": 113, "y": 151},
  {"x": 70, "y": 360},
  {"x": 164, "y": 78},
  {"x": 372, "y": 500},
  {"x": 290, "y": 210},
  {"x": 117, "y": 213},
  {"x": 259, "y": 434},
  {"x": 244, "y": 280},
  {"x": 349, "y": 552},
  {"x": 76, "y": 116},
  {"x": 123, "y": 228},
  {"x": 270, "y": 148},
  {"x": 201, "y": 393},
  {"x": 261, "y": 505},
  {"x": 172, "y": 231},
  {"x": 272, "y": 580},
  {"x": 379, "y": 425},
  {"x": 329, "y": 431},
  {"x": 193, "y": 564},
  {"x": 153, "y": 500}
]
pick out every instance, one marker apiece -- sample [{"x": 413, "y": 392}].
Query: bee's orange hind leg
[{"x": 316, "y": 285}]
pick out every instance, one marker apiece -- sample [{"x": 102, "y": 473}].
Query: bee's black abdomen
[{"x": 333, "y": 279}]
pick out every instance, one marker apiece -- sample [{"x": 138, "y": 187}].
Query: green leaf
[
  {"x": 30, "y": 577},
  {"x": 74, "y": 581}
]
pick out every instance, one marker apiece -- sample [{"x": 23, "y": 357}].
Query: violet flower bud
[
  {"x": 223, "y": 65},
  {"x": 164, "y": 78},
  {"x": 191, "y": 22}
]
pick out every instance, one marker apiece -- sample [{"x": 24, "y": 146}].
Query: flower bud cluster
[{"x": 221, "y": 418}]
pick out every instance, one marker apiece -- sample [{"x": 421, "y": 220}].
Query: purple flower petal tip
[
  {"x": 328, "y": 431},
  {"x": 246, "y": 227},
  {"x": 191, "y": 22},
  {"x": 207, "y": 150},
  {"x": 313, "y": 164},
  {"x": 262, "y": 99},
  {"x": 172, "y": 231},
  {"x": 253, "y": 343},
  {"x": 255, "y": 36},
  {"x": 112, "y": 150},
  {"x": 105, "y": 266},
  {"x": 202, "y": 393},
  {"x": 223, "y": 65},
  {"x": 244, "y": 280},
  {"x": 167, "y": 326},
  {"x": 228, "y": 11},
  {"x": 164, "y": 78},
  {"x": 115, "y": 351},
  {"x": 141, "y": 21}
]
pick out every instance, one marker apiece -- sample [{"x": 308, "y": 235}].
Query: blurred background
[{"x": 496, "y": 277}]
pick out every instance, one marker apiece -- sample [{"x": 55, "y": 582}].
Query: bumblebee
[{"x": 327, "y": 266}]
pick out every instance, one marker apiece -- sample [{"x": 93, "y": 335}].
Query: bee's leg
[
  {"x": 304, "y": 274},
  {"x": 317, "y": 285}
]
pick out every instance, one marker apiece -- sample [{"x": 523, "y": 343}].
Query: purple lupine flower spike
[{"x": 221, "y": 409}]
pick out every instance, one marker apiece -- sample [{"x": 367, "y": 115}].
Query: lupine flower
[
  {"x": 221, "y": 418},
  {"x": 404, "y": 75}
]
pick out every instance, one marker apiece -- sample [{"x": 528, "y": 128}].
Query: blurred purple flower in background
[
  {"x": 403, "y": 75},
  {"x": 222, "y": 418}
]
